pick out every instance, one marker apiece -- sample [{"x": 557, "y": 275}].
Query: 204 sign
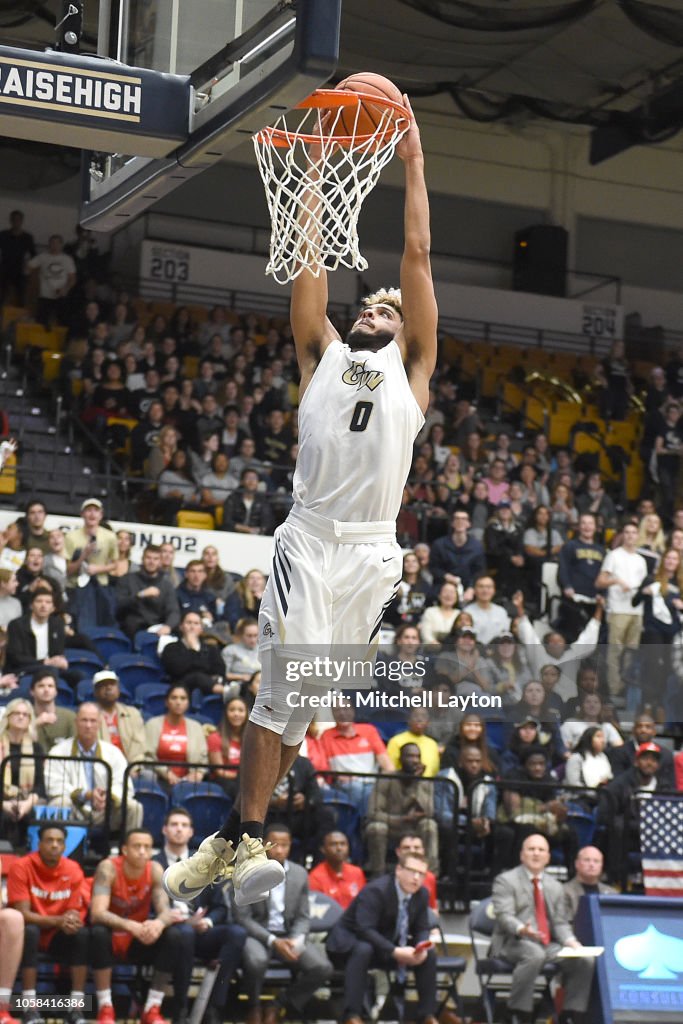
[
  {"x": 170, "y": 265},
  {"x": 599, "y": 321}
]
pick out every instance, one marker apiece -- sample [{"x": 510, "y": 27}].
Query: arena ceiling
[
  {"x": 581, "y": 61},
  {"x": 615, "y": 65}
]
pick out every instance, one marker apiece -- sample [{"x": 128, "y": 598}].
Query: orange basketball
[{"x": 370, "y": 114}]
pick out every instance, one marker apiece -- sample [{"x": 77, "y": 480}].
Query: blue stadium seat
[
  {"x": 108, "y": 640},
  {"x": 146, "y": 643},
  {"x": 208, "y": 811},
  {"x": 347, "y": 820},
  {"x": 212, "y": 707},
  {"x": 144, "y": 690},
  {"x": 389, "y": 729},
  {"x": 65, "y": 694},
  {"x": 133, "y": 669},
  {"x": 197, "y": 716},
  {"x": 154, "y": 807},
  {"x": 495, "y": 734},
  {"x": 86, "y": 661},
  {"x": 182, "y": 790},
  {"x": 583, "y": 823},
  {"x": 75, "y": 834}
]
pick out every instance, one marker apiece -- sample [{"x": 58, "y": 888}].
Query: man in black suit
[
  {"x": 207, "y": 932},
  {"x": 37, "y": 637},
  {"x": 382, "y": 928},
  {"x": 277, "y": 926}
]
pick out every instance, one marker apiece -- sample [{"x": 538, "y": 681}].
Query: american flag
[{"x": 661, "y": 845}]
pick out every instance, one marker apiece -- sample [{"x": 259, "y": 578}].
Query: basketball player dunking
[{"x": 336, "y": 561}]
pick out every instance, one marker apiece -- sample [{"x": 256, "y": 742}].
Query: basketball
[{"x": 370, "y": 114}]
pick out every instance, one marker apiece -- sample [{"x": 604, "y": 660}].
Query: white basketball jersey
[{"x": 358, "y": 421}]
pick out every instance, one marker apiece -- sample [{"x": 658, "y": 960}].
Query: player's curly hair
[{"x": 389, "y": 296}]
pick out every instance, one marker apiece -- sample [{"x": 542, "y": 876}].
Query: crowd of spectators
[{"x": 209, "y": 425}]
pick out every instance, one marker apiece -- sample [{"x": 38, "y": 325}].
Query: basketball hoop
[{"x": 318, "y": 163}]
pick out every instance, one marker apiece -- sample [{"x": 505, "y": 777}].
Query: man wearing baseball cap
[
  {"x": 618, "y": 809},
  {"x": 120, "y": 724},
  {"x": 91, "y": 552}
]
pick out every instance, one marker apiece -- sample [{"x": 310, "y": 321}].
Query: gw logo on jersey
[{"x": 360, "y": 377}]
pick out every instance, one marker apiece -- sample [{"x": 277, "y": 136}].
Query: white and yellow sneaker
[
  {"x": 254, "y": 874},
  {"x": 212, "y": 862}
]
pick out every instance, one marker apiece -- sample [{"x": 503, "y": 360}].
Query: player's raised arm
[
  {"x": 311, "y": 327},
  {"x": 417, "y": 337}
]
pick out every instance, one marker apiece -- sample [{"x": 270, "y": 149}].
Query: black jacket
[
  {"x": 622, "y": 758},
  {"x": 21, "y": 643},
  {"x": 616, "y": 798},
  {"x": 235, "y": 512},
  {"x": 180, "y": 660},
  {"x": 135, "y": 612},
  {"x": 372, "y": 917}
]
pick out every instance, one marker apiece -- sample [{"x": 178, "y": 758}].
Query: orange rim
[{"x": 331, "y": 98}]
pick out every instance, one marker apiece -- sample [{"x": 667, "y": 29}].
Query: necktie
[
  {"x": 541, "y": 912},
  {"x": 402, "y": 935}
]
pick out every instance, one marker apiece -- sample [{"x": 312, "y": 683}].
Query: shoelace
[{"x": 256, "y": 846}]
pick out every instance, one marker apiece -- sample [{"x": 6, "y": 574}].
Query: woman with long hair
[
  {"x": 245, "y": 600},
  {"x": 509, "y": 668},
  {"x": 241, "y": 658},
  {"x": 441, "y": 451},
  {"x": 23, "y": 781},
  {"x": 661, "y": 595},
  {"x": 471, "y": 733},
  {"x": 175, "y": 737},
  {"x": 225, "y": 745},
  {"x": 534, "y": 704},
  {"x": 218, "y": 580},
  {"x": 436, "y": 622},
  {"x": 563, "y": 514},
  {"x": 123, "y": 563},
  {"x": 589, "y": 765},
  {"x": 190, "y": 661},
  {"x": 162, "y": 452},
  {"x": 651, "y": 540},
  {"x": 413, "y": 595},
  {"x": 453, "y": 476},
  {"x": 542, "y": 543},
  {"x": 177, "y": 488},
  {"x": 590, "y": 713},
  {"x": 473, "y": 456}
]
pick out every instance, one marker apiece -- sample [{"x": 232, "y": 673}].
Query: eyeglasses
[{"x": 24, "y": 714}]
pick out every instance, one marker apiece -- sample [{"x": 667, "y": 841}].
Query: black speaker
[{"x": 539, "y": 261}]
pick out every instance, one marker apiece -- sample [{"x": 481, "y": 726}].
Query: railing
[{"x": 81, "y": 817}]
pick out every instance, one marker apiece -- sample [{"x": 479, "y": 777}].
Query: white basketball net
[{"x": 316, "y": 181}]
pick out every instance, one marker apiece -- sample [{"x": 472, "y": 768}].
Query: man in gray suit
[
  {"x": 589, "y": 866},
  {"x": 531, "y": 927},
  {"x": 278, "y": 926}
]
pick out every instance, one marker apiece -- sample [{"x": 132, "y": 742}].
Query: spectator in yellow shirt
[{"x": 418, "y": 725}]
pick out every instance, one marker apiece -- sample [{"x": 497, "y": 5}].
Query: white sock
[
  {"x": 29, "y": 993},
  {"x": 78, "y": 996},
  {"x": 154, "y": 998},
  {"x": 104, "y": 998},
  {"x": 5, "y": 996}
]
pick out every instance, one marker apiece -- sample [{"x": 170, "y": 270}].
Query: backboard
[{"x": 242, "y": 63}]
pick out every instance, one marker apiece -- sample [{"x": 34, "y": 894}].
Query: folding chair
[
  {"x": 145, "y": 643},
  {"x": 481, "y": 922}
]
